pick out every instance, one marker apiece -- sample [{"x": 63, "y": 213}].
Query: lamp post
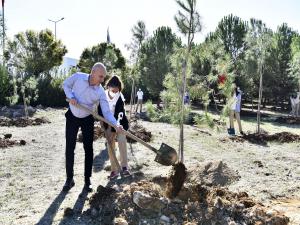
[{"x": 55, "y": 22}]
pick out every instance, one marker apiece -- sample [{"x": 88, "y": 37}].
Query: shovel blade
[{"x": 166, "y": 155}]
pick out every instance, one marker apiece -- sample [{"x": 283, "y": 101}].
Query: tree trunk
[
  {"x": 25, "y": 105},
  {"x": 276, "y": 103},
  {"x": 264, "y": 103},
  {"x": 181, "y": 139},
  {"x": 282, "y": 104},
  {"x": 131, "y": 99},
  {"x": 259, "y": 101}
]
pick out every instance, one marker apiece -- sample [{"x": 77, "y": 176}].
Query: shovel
[{"x": 166, "y": 155}]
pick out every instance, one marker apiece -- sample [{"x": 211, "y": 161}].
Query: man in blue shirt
[{"x": 84, "y": 89}]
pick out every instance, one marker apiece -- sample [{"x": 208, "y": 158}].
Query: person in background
[
  {"x": 140, "y": 100},
  {"x": 117, "y": 107},
  {"x": 186, "y": 98},
  {"x": 84, "y": 89},
  {"x": 235, "y": 110}
]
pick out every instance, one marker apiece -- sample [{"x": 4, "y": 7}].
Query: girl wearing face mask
[{"x": 116, "y": 105}]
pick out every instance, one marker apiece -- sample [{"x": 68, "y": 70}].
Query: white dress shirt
[{"x": 77, "y": 86}]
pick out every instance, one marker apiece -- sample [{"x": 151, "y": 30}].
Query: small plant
[{"x": 152, "y": 111}]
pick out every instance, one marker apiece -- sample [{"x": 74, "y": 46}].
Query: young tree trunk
[
  {"x": 181, "y": 139},
  {"x": 264, "y": 103},
  {"x": 259, "y": 101},
  {"x": 25, "y": 105},
  {"x": 131, "y": 99},
  {"x": 282, "y": 104}
]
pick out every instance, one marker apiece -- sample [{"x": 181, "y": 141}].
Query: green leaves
[
  {"x": 34, "y": 53},
  {"x": 188, "y": 20},
  {"x": 103, "y": 52},
  {"x": 139, "y": 34},
  {"x": 154, "y": 62},
  {"x": 231, "y": 31}
]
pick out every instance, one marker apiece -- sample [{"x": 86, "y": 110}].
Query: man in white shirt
[
  {"x": 86, "y": 90},
  {"x": 139, "y": 101}
]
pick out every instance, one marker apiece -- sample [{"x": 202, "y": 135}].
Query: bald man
[{"x": 86, "y": 90}]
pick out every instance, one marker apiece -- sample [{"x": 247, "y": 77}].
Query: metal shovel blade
[{"x": 166, "y": 155}]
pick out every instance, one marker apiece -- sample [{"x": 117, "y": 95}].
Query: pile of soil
[
  {"x": 145, "y": 201},
  {"x": 264, "y": 138},
  {"x": 140, "y": 132},
  {"x": 7, "y": 142},
  {"x": 22, "y": 122},
  {"x": 288, "y": 120},
  {"x": 98, "y": 133},
  {"x": 213, "y": 173}
]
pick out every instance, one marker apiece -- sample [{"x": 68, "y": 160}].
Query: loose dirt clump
[
  {"x": 264, "y": 138},
  {"x": 5, "y": 142},
  {"x": 176, "y": 180},
  {"x": 288, "y": 120},
  {"x": 68, "y": 212},
  {"x": 146, "y": 201},
  {"x": 102, "y": 194},
  {"x": 140, "y": 132},
  {"x": 22, "y": 122}
]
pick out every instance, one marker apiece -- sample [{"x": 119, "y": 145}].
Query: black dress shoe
[
  {"x": 68, "y": 185},
  {"x": 87, "y": 185}
]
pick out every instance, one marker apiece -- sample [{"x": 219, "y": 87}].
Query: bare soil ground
[{"x": 32, "y": 175}]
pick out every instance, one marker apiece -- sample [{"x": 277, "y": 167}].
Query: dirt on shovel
[{"x": 176, "y": 179}]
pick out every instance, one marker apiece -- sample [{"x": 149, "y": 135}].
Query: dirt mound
[
  {"x": 7, "y": 142},
  {"x": 22, "y": 122},
  {"x": 264, "y": 138},
  {"x": 145, "y": 201},
  {"x": 212, "y": 174},
  {"x": 98, "y": 133},
  {"x": 139, "y": 131},
  {"x": 287, "y": 120}
]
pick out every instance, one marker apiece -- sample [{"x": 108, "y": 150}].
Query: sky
[{"x": 86, "y": 21}]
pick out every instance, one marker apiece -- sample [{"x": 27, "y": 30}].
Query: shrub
[
  {"x": 4, "y": 86},
  {"x": 51, "y": 93}
]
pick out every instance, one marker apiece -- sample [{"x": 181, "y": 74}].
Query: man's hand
[
  {"x": 119, "y": 128},
  {"x": 73, "y": 101}
]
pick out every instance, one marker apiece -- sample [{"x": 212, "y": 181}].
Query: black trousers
[{"x": 87, "y": 127}]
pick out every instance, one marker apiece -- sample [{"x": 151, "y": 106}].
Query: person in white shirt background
[
  {"x": 140, "y": 100},
  {"x": 116, "y": 103},
  {"x": 235, "y": 110},
  {"x": 84, "y": 89}
]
